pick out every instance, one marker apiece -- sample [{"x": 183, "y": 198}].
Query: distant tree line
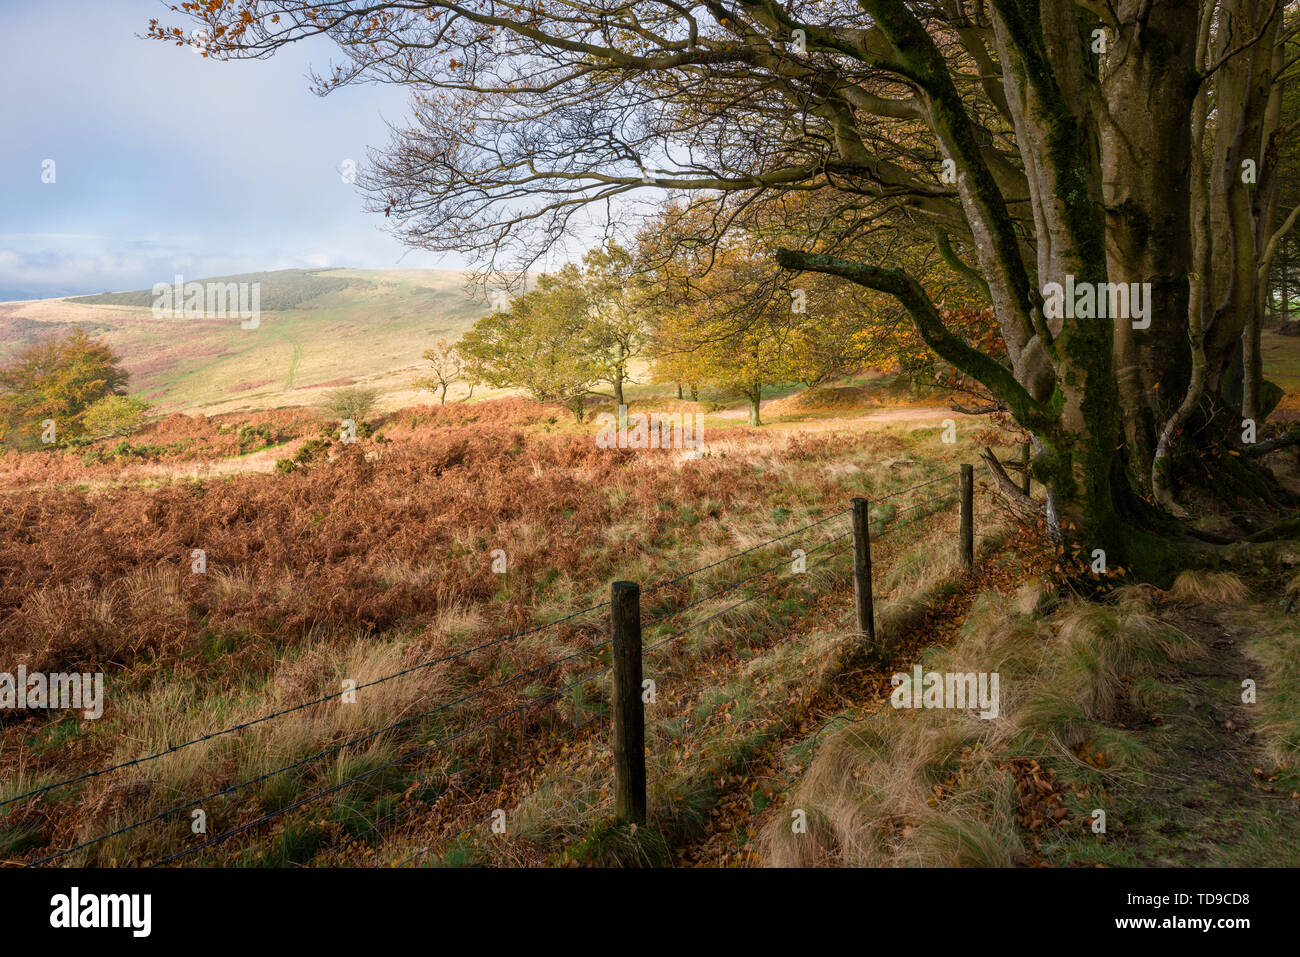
[{"x": 693, "y": 314}]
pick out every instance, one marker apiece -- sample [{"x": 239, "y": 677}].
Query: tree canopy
[
  {"x": 56, "y": 381},
  {"x": 539, "y": 344}
]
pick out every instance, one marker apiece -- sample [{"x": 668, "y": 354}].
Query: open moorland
[{"x": 373, "y": 322}]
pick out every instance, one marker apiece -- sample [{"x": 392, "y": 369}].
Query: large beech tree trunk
[{"x": 1112, "y": 203}]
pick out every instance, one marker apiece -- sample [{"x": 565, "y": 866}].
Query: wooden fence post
[
  {"x": 629, "y": 712},
  {"x": 1025, "y": 476},
  {"x": 966, "y": 530},
  {"x": 862, "y": 569}
]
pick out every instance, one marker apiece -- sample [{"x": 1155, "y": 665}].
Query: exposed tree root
[
  {"x": 1272, "y": 445},
  {"x": 1287, "y": 528},
  {"x": 1015, "y": 499}
]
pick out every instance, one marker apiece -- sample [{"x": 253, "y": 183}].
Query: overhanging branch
[{"x": 1029, "y": 412}]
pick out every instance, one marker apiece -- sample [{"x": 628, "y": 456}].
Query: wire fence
[
  {"x": 424, "y": 852},
  {"x": 490, "y": 721},
  {"x": 483, "y": 819}
]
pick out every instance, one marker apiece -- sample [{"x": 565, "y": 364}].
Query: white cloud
[
  {"x": 168, "y": 162},
  {"x": 50, "y": 274}
]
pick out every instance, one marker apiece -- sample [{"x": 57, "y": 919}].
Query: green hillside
[
  {"x": 280, "y": 290},
  {"x": 318, "y": 329}
]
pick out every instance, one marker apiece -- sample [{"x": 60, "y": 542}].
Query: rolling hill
[{"x": 318, "y": 329}]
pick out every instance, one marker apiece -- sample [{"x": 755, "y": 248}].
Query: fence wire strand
[
  {"x": 333, "y": 749},
  {"x": 299, "y": 707}
]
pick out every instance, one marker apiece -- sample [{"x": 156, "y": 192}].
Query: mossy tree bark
[
  {"x": 754, "y": 395},
  {"x": 1109, "y": 181}
]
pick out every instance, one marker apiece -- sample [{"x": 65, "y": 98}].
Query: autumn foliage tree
[
  {"x": 726, "y": 315},
  {"x": 114, "y": 415},
  {"x": 615, "y": 333},
  {"x": 578, "y": 329},
  {"x": 56, "y": 381},
  {"x": 446, "y": 368},
  {"x": 538, "y": 344}
]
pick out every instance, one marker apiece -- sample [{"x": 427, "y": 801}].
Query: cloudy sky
[{"x": 166, "y": 162}]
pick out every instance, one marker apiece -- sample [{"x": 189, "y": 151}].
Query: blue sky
[{"x": 166, "y": 162}]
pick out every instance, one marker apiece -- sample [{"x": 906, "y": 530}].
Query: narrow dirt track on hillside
[
  {"x": 738, "y": 818},
  {"x": 1212, "y": 784},
  {"x": 1214, "y": 773},
  {"x": 882, "y": 416}
]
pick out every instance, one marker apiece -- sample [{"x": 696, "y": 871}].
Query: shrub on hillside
[
  {"x": 113, "y": 416},
  {"x": 353, "y": 402},
  {"x": 252, "y": 437},
  {"x": 313, "y": 450}
]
